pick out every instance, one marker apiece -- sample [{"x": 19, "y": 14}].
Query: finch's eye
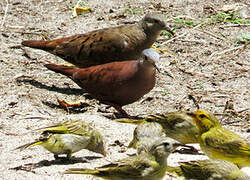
[
  {"x": 166, "y": 144},
  {"x": 156, "y": 21},
  {"x": 202, "y": 116}
]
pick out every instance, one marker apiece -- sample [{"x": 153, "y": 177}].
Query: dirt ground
[{"x": 206, "y": 61}]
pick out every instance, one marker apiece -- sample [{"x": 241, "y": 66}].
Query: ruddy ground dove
[
  {"x": 102, "y": 46},
  {"x": 117, "y": 83}
]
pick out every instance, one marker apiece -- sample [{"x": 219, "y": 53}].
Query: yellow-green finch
[
  {"x": 150, "y": 165},
  {"x": 178, "y": 125},
  {"x": 145, "y": 132},
  {"x": 220, "y": 143},
  {"x": 67, "y": 137},
  {"x": 209, "y": 169}
]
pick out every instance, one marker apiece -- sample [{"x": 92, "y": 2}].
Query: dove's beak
[
  {"x": 156, "y": 68},
  {"x": 153, "y": 64}
]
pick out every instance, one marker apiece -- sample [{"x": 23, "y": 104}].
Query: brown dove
[
  {"x": 102, "y": 46},
  {"x": 118, "y": 83}
]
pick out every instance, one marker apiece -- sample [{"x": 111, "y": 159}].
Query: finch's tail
[
  {"x": 81, "y": 171},
  {"x": 175, "y": 170},
  {"x": 26, "y": 146},
  {"x": 132, "y": 144},
  {"x": 65, "y": 70},
  {"x": 132, "y": 121}
]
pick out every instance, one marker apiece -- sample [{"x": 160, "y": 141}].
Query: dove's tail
[
  {"x": 65, "y": 70},
  {"x": 26, "y": 146},
  {"x": 46, "y": 45},
  {"x": 82, "y": 171}
]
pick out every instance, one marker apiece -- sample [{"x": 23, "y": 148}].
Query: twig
[
  {"x": 226, "y": 51},
  {"x": 22, "y": 32},
  {"x": 196, "y": 103},
  {"x": 244, "y": 48},
  {"x": 5, "y": 14},
  {"x": 213, "y": 35},
  {"x": 235, "y": 25},
  {"x": 192, "y": 41},
  {"x": 243, "y": 110},
  {"x": 184, "y": 34},
  {"x": 15, "y": 47}
]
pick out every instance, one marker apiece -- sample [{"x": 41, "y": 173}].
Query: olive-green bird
[
  {"x": 220, "y": 143},
  {"x": 146, "y": 132},
  {"x": 68, "y": 137},
  {"x": 178, "y": 125},
  {"x": 150, "y": 165},
  {"x": 209, "y": 170}
]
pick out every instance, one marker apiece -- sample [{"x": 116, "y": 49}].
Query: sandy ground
[{"x": 205, "y": 63}]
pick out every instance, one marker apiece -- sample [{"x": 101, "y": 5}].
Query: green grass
[
  {"x": 242, "y": 39},
  {"x": 220, "y": 17},
  {"x": 166, "y": 92},
  {"x": 228, "y": 17},
  {"x": 82, "y": 4},
  {"x": 166, "y": 33},
  {"x": 186, "y": 22}
]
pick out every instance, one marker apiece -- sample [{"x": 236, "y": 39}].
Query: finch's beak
[
  {"x": 104, "y": 153},
  {"x": 178, "y": 144},
  {"x": 191, "y": 114},
  {"x": 187, "y": 146},
  {"x": 183, "y": 145}
]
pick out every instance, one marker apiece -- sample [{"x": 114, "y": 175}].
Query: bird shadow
[
  {"x": 69, "y": 91},
  {"x": 29, "y": 167},
  {"x": 37, "y": 84}
]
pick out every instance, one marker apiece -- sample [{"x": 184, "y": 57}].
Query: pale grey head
[
  {"x": 151, "y": 56},
  {"x": 162, "y": 147},
  {"x": 165, "y": 144}
]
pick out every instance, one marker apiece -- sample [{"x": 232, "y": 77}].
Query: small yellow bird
[
  {"x": 67, "y": 137},
  {"x": 145, "y": 132},
  {"x": 209, "y": 169},
  {"x": 149, "y": 165},
  {"x": 178, "y": 125},
  {"x": 220, "y": 143}
]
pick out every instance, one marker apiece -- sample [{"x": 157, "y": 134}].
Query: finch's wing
[
  {"x": 226, "y": 141},
  {"x": 77, "y": 127},
  {"x": 134, "y": 166}
]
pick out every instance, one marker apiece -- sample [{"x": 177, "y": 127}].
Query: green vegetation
[
  {"x": 166, "y": 33},
  {"x": 228, "y": 17},
  {"x": 186, "y": 22},
  {"x": 217, "y": 18}
]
